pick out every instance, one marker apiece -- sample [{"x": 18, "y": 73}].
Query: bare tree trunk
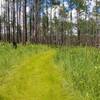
[
  {"x": 24, "y": 22},
  {"x": 0, "y": 28},
  {"x": 36, "y": 18},
  {"x": 78, "y": 27},
  {"x": 8, "y": 22},
  {"x": 30, "y": 22},
  {"x": 17, "y": 21},
  {"x": 19, "y": 25}
]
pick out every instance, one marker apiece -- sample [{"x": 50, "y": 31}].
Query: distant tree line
[{"x": 33, "y": 21}]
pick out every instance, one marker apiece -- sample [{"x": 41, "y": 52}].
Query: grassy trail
[{"x": 37, "y": 78}]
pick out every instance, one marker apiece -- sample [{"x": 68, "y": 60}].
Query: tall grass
[
  {"x": 81, "y": 66},
  {"x": 10, "y": 57}
]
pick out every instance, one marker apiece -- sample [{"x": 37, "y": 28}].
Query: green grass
[
  {"x": 81, "y": 66},
  {"x": 39, "y": 72}
]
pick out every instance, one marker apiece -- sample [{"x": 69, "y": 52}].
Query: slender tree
[{"x": 24, "y": 22}]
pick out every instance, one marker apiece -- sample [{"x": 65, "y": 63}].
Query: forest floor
[{"x": 39, "y": 72}]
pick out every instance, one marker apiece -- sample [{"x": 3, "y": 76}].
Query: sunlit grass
[
  {"x": 81, "y": 65},
  {"x": 39, "y": 72}
]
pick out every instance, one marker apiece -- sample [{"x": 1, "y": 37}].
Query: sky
[
  {"x": 91, "y": 3},
  {"x": 0, "y": 7},
  {"x": 74, "y": 14}
]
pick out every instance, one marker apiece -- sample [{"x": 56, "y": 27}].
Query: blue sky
[{"x": 91, "y": 4}]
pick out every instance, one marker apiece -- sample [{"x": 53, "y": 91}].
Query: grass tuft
[{"x": 39, "y": 72}]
